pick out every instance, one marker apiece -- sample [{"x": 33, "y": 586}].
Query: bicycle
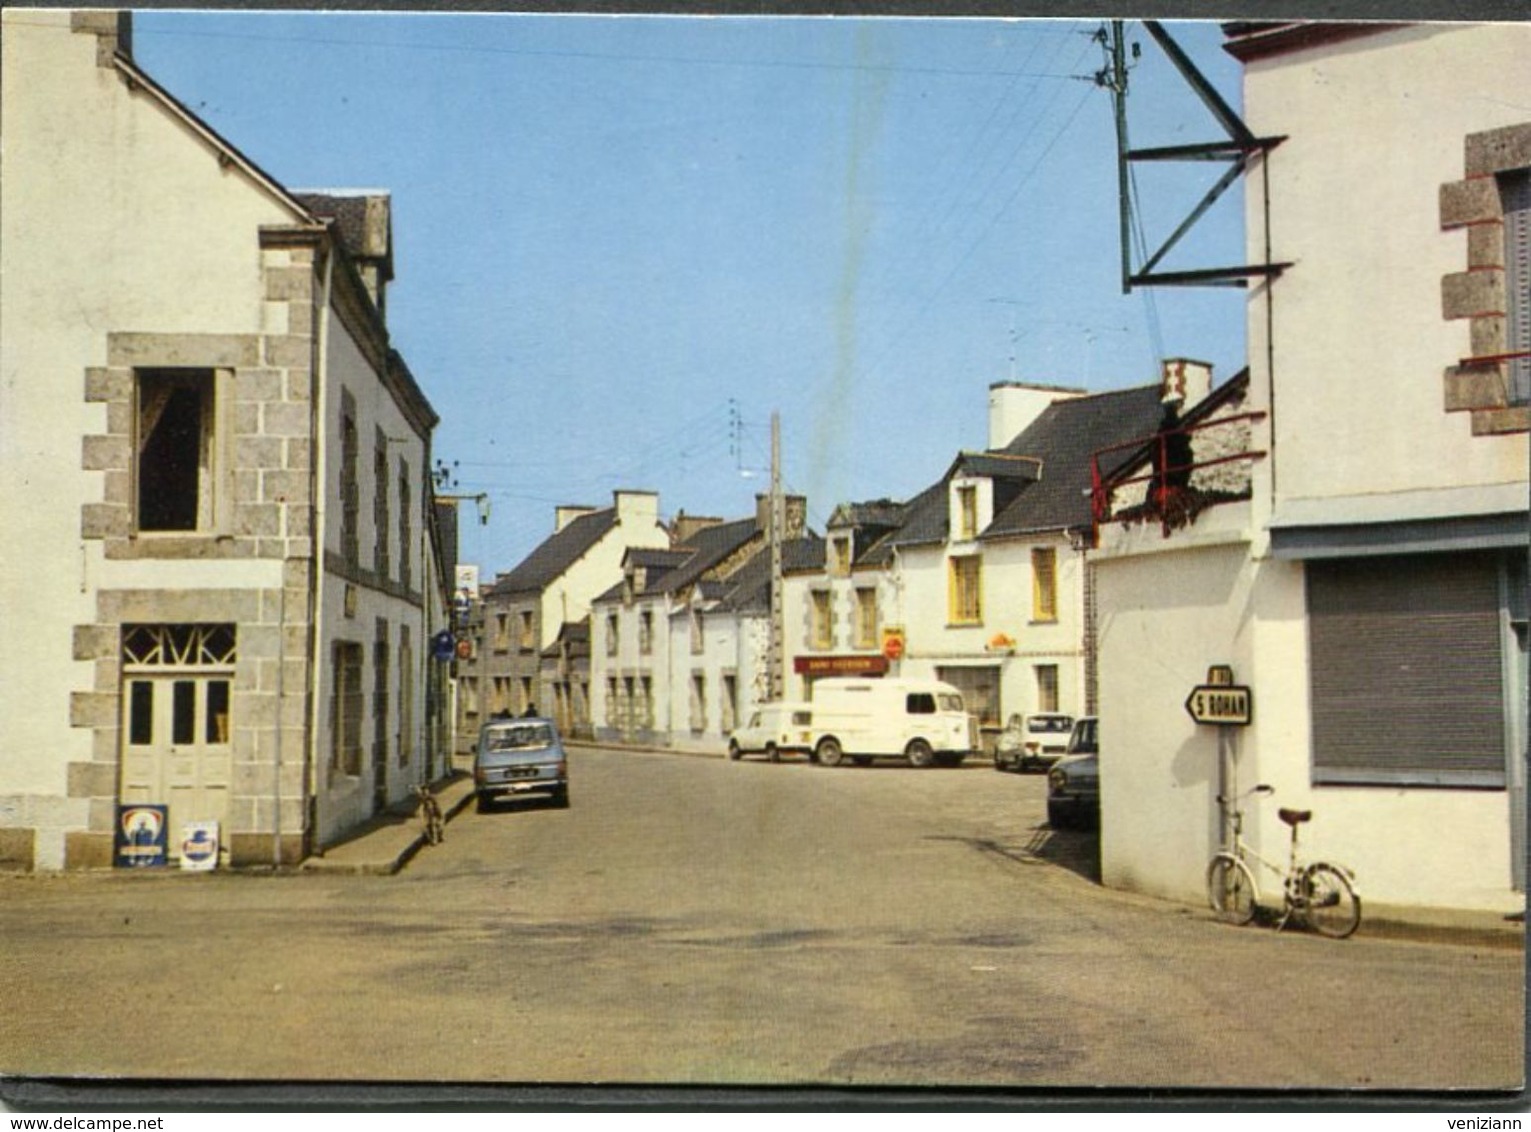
[
  {"x": 430, "y": 811},
  {"x": 1321, "y": 894}
]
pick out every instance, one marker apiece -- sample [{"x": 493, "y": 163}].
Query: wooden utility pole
[{"x": 778, "y": 524}]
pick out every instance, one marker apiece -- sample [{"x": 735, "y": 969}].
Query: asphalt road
[{"x": 697, "y": 921}]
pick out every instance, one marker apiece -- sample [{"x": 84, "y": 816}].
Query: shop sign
[
  {"x": 893, "y": 642},
  {"x": 817, "y": 666}
]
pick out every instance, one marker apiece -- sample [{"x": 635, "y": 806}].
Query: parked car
[
  {"x": 1033, "y": 741},
  {"x": 520, "y": 757},
  {"x": 774, "y": 730},
  {"x": 1073, "y": 784}
]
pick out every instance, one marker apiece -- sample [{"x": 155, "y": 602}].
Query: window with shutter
[
  {"x": 1515, "y": 193},
  {"x": 1406, "y": 670}
]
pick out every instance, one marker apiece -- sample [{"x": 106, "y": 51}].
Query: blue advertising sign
[
  {"x": 443, "y": 645},
  {"x": 142, "y": 834}
]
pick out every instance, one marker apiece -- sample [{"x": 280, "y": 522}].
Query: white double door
[{"x": 177, "y": 747}]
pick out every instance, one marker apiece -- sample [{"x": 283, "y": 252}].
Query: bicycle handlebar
[{"x": 1261, "y": 788}]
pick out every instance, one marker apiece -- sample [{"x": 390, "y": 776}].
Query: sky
[{"x": 621, "y": 243}]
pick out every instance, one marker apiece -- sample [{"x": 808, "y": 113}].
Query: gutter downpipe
[{"x": 317, "y": 479}]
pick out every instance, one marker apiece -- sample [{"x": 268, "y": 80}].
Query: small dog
[{"x": 430, "y": 810}]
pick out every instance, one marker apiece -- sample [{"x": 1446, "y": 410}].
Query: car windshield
[
  {"x": 1083, "y": 741},
  {"x": 527, "y": 736},
  {"x": 949, "y": 702},
  {"x": 1051, "y": 724}
]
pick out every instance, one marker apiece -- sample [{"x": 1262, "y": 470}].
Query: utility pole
[{"x": 778, "y": 525}]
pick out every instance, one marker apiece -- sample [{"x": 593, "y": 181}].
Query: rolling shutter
[
  {"x": 1406, "y": 672},
  {"x": 1516, "y": 193}
]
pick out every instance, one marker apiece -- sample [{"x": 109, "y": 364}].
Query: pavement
[{"x": 387, "y": 843}]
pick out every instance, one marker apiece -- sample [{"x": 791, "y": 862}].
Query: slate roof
[
  {"x": 555, "y": 554},
  {"x": 709, "y": 546},
  {"x": 886, "y": 513},
  {"x": 349, "y": 212},
  {"x": 748, "y": 590},
  {"x": 1063, "y": 438}
]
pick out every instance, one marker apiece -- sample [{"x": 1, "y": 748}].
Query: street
[{"x": 691, "y": 920}]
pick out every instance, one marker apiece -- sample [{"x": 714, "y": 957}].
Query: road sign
[{"x": 1228, "y": 704}]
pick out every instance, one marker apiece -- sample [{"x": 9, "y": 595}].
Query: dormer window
[
  {"x": 967, "y": 511},
  {"x": 840, "y": 555}
]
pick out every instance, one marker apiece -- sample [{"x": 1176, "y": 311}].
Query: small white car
[
  {"x": 1034, "y": 741},
  {"x": 774, "y": 730}
]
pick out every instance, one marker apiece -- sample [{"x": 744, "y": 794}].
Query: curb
[{"x": 448, "y": 812}]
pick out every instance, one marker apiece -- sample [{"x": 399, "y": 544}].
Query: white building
[
  {"x": 528, "y": 610},
  {"x": 982, "y": 578},
  {"x": 219, "y": 473},
  {"x": 1371, "y": 586}
]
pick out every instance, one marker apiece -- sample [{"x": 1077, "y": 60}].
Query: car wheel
[
  {"x": 773, "y": 754},
  {"x": 1058, "y": 816},
  {"x": 484, "y": 804},
  {"x": 830, "y": 752},
  {"x": 561, "y": 798},
  {"x": 733, "y": 750},
  {"x": 997, "y": 764},
  {"x": 919, "y": 753}
]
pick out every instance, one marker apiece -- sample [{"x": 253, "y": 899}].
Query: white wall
[
  {"x": 1375, "y": 126},
  {"x": 112, "y": 217}
]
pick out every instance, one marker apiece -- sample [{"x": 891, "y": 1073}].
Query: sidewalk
[{"x": 385, "y": 844}]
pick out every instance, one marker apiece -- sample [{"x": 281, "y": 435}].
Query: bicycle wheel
[
  {"x": 1231, "y": 889},
  {"x": 1332, "y": 907}
]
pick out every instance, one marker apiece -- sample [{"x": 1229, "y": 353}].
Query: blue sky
[{"x": 622, "y": 242}]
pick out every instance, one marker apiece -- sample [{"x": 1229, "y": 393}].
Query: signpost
[{"x": 1228, "y": 705}]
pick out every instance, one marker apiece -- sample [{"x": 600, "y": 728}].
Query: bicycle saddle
[{"x": 1294, "y": 817}]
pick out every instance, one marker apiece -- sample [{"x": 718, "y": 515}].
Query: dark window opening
[
  {"x": 174, "y": 449},
  {"x": 183, "y": 718}
]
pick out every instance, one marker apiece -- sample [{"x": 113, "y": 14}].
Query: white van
[
  {"x": 920, "y": 720},
  {"x": 774, "y": 730}
]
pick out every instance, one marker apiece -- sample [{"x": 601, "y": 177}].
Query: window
[
  {"x": 380, "y": 653},
  {"x": 1382, "y": 632},
  {"x": 645, "y": 702},
  {"x": 967, "y": 511},
  {"x": 1515, "y": 192},
  {"x": 840, "y": 555},
  {"x": 380, "y": 515},
  {"x": 612, "y": 635},
  {"x": 698, "y": 702},
  {"x": 730, "y": 700},
  {"x": 406, "y": 697},
  {"x": 501, "y": 632},
  {"x": 613, "y": 712},
  {"x": 866, "y": 618},
  {"x": 175, "y": 468},
  {"x": 822, "y": 629},
  {"x": 646, "y": 632},
  {"x": 966, "y": 590},
  {"x": 528, "y": 704},
  {"x": 1047, "y": 687},
  {"x": 350, "y": 489},
  {"x": 527, "y": 621},
  {"x": 405, "y": 533},
  {"x": 920, "y": 703},
  {"x": 697, "y": 640},
  {"x": 1044, "y": 585},
  {"x": 346, "y": 709}
]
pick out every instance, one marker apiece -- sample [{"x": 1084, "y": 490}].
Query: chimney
[
  {"x": 636, "y": 508},
  {"x": 1013, "y": 406},
  {"x": 686, "y": 526},
  {"x": 796, "y": 520},
  {"x": 1185, "y": 382},
  {"x": 113, "y": 32},
  {"x": 566, "y": 513}
]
